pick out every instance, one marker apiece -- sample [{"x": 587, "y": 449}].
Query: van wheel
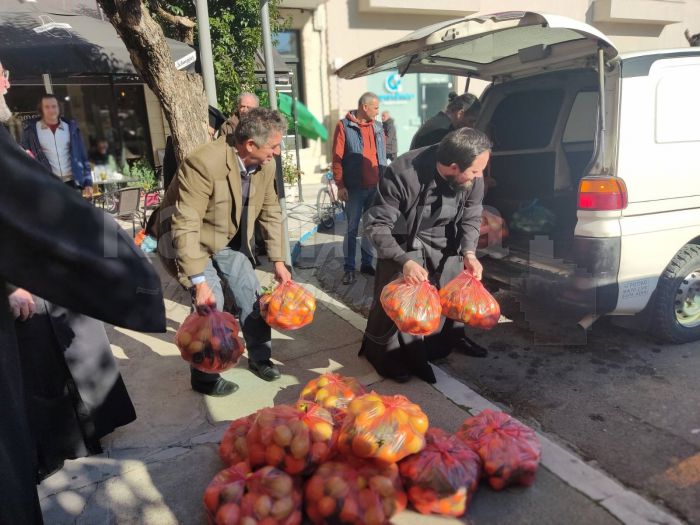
[{"x": 677, "y": 306}]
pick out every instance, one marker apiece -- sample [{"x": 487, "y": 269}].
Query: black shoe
[
  {"x": 468, "y": 347},
  {"x": 367, "y": 270},
  {"x": 265, "y": 370},
  {"x": 349, "y": 277},
  {"x": 219, "y": 388}
]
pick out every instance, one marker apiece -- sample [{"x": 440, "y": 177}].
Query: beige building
[{"x": 330, "y": 33}]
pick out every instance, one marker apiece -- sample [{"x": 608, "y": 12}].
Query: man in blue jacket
[{"x": 56, "y": 143}]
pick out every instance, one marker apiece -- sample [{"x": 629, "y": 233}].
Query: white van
[{"x": 595, "y": 166}]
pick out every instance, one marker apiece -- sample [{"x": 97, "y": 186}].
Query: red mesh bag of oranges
[
  {"x": 354, "y": 492},
  {"x": 466, "y": 300},
  {"x": 288, "y": 306},
  {"x": 222, "y": 497},
  {"x": 290, "y": 439},
  {"x": 492, "y": 231},
  {"x": 272, "y": 498},
  {"x": 414, "y": 308},
  {"x": 385, "y": 428},
  {"x": 234, "y": 445},
  {"x": 333, "y": 392},
  {"x": 208, "y": 340},
  {"x": 442, "y": 477},
  {"x": 509, "y": 450}
]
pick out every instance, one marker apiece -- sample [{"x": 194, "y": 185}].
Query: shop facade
[{"x": 333, "y": 32}]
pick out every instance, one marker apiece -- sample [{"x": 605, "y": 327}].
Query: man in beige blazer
[{"x": 206, "y": 231}]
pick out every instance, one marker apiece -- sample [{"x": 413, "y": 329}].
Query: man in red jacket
[{"x": 359, "y": 159}]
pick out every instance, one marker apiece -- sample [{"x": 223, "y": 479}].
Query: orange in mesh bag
[
  {"x": 354, "y": 492},
  {"x": 290, "y": 439},
  {"x": 234, "y": 447},
  {"x": 509, "y": 450},
  {"x": 288, "y": 306},
  {"x": 223, "y": 495},
  {"x": 466, "y": 300},
  {"x": 442, "y": 477},
  {"x": 385, "y": 428},
  {"x": 414, "y": 308},
  {"x": 272, "y": 498},
  {"x": 208, "y": 340},
  {"x": 333, "y": 392}
]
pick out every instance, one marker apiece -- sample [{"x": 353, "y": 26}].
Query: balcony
[
  {"x": 652, "y": 12},
  {"x": 421, "y": 7}
]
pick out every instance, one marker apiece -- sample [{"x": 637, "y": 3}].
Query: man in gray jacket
[{"x": 425, "y": 223}]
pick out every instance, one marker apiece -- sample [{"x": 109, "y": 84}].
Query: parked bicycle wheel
[{"x": 325, "y": 209}]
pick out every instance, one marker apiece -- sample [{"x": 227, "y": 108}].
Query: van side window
[
  {"x": 583, "y": 118},
  {"x": 525, "y": 120},
  {"x": 678, "y": 106},
  {"x": 578, "y": 141}
]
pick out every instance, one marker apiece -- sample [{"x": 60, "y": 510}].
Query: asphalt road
[{"x": 623, "y": 402}]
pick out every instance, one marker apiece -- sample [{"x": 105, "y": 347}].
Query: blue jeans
[
  {"x": 359, "y": 201},
  {"x": 235, "y": 272}
]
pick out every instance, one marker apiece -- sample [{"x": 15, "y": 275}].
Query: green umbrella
[{"x": 308, "y": 125}]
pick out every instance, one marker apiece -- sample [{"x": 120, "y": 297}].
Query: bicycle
[{"x": 327, "y": 203}]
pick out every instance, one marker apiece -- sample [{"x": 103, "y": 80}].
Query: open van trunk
[{"x": 543, "y": 130}]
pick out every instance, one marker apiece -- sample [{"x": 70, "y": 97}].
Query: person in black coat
[
  {"x": 389, "y": 135},
  {"x": 56, "y": 245},
  {"x": 424, "y": 224},
  {"x": 461, "y": 112}
]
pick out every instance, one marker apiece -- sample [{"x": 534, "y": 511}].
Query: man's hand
[
  {"x": 87, "y": 192},
  {"x": 343, "y": 194},
  {"x": 203, "y": 296},
  {"x": 414, "y": 273},
  {"x": 22, "y": 304},
  {"x": 282, "y": 274},
  {"x": 472, "y": 264}
]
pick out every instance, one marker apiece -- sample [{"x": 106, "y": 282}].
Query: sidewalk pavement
[{"x": 155, "y": 470}]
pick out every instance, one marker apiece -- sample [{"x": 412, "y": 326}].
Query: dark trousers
[
  {"x": 231, "y": 274},
  {"x": 393, "y": 353}
]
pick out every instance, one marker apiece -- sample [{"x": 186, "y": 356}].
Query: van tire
[{"x": 663, "y": 320}]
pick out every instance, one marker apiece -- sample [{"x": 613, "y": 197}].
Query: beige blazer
[{"x": 202, "y": 208}]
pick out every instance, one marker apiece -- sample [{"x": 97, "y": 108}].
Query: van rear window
[{"x": 525, "y": 120}]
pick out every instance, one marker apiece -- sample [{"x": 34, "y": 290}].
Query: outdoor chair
[{"x": 128, "y": 205}]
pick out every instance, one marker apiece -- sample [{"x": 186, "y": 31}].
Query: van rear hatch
[{"x": 486, "y": 46}]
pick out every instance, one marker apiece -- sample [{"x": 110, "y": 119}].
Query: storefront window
[{"x": 114, "y": 112}]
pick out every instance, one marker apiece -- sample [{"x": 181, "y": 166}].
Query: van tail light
[{"x": 602, "y": 193}]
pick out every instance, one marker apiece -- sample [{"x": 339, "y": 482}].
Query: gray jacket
[{"x": 393, "y": 216}]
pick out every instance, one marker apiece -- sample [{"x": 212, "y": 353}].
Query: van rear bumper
[{"x": 587, "y": 284}]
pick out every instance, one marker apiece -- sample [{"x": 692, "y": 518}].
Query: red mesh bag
[
  {"x": 333, "y": 392},
  {"x": 354, "y": 492},
  {"x": 288, "y": 306},
  {"x": 208, "y": 340},
  {"x": 272, "y": 498},
  {"x": 414, "y": 308},
  {"x": 290, "y": 439},
  {"x": 493, "y": 229},
  {"x": 234, "y": 446},
  {"x": 509, "y": 450},
  {"x": 385, "y": 428},
  {"x": 442, "y": 477},
  {"x": 222, "y": 497},
  {"x": 466, "y": 300}
]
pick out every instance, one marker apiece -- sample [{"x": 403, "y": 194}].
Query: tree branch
[{"x": 183, "y": 26}]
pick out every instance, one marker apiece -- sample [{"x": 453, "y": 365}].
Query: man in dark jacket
[
  {"x": 461, "y": 112},
  {"x": 425, "y": 223},
  {"x": 56, "y": 143},
  {"x": 389, "y": 135},
  {"x": 359, "y": 158},
  {"x": 58, "y": 246}
]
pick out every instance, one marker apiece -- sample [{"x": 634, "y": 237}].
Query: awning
[{"x": 34, "y": 42}]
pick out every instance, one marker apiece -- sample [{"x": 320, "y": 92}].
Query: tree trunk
[{"x": 181, "y": 94}]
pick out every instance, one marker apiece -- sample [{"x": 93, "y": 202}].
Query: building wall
[{"x": 355, "y": 27}]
